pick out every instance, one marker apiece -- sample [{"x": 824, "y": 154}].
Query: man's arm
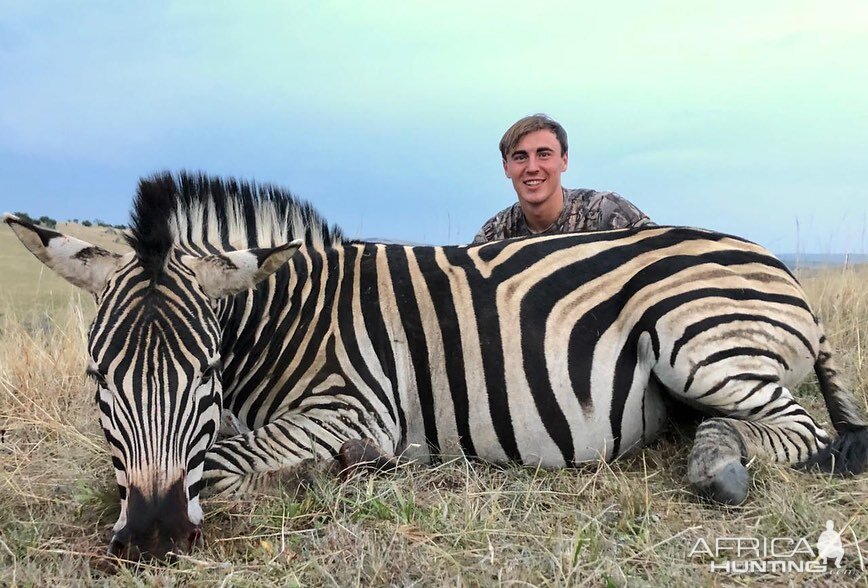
[
  {"x": 500, "y": 226},
  {"x": 486, "y": 233},
  {"x": 480, "y": 238},
  {"x": 616, "y": 212}
]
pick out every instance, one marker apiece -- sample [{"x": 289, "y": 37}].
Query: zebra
[{"x": 239, "y": 299}]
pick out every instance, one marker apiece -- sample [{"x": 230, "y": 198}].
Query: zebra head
[{"x": 154, "y": 356}]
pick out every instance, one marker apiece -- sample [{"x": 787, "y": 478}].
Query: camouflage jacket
[{"x": 584, "y": 210}]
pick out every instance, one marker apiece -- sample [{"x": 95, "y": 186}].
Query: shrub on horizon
[{"x": 25, "y": 217}]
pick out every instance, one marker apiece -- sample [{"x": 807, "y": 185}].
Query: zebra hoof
[
  {"x": 728, "y": 486},
  {"x": 356, "y": 454}
]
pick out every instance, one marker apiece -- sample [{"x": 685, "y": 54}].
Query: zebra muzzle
[{"x": 156, "y": 526}]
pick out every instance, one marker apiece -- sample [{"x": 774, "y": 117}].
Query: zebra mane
[{"x": 203, "y": 214}]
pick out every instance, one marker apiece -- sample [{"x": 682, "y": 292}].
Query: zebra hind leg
[
  {"x": 845, "y": 456},
  {"x": 848, "y": 454},
  {"x": 763, "y": 420}
]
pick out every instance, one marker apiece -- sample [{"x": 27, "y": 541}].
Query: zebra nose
[
  {"x": 118, "y": 546},
  {"x": 124, "y": 546},
  {"x": 156, "y": 526}
]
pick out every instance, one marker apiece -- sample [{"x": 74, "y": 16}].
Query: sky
[{"x": 746, "y": 117}]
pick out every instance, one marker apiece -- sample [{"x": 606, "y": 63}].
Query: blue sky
[{"x": 746, "y": 117}]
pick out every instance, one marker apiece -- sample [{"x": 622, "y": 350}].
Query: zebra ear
[
  {"x": 232, "y": 272},
  {"x": 80, "y": 263}
]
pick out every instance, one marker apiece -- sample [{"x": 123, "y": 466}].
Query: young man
[{"x": 534, "y": 152}]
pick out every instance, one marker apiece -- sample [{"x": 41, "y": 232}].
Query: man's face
[{"x": 535, "y": 167}]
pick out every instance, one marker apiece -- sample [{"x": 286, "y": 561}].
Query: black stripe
[
  {"x": 332, "y": 366},
  {"x": 746, "y": 377},
  {"x": 483, "y": 294},
  {"x": 709, "y": 323},
  {"x": 534, "y": 248},
  {"x": 730, "y": 353},
  {"x": 226, "y": 454},
  {"x": 532, "y": 323},
  {"x": 775, "y": 395},
  {"x": 447, "y": 319},
  {"x": 369, "y": 292},
  {"x": 310, "y": 325},
  {"x": 265, "y": 379},
  {"x": 408, "y": 309},
  {"x": 748, "y": 394},
  {"x": 805, "y": 443},
  {"x": 240, "y": 345},
  {"x": 109, "y": 319},
  {"x": 765, "y": 440},
  {"x": 350, "y": 339},
  {"x": 285, "y": 439},
  {"x": 195, "y": 489}
]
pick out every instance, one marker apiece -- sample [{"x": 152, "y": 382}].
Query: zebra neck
[{"x": 270, "y": 334}]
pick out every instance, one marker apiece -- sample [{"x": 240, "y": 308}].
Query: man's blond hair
[{"x": 529, "y": 124}]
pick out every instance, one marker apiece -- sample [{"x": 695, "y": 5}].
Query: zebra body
[
  {"x": 547, "y": 351},
  {"x": 454, "y": 348}
]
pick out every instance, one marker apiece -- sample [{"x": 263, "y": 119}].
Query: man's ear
[
  {"x": 504, "y": 168},
  {"x": 566, "y": 162},
  {"x": 236, "y": 271},
  {"x": 82, "y": 264}
]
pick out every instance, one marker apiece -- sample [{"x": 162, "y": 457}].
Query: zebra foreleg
[
  {"x": 261, "y": 460},
  {"x": 766, "y": 422},
  {"x": 357, "y": 454},
  {"x": 294, "y": 447}
]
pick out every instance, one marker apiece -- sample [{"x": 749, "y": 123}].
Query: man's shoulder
[
  {"x": 594, "y": 210},
  {"x": 588, "y": 195},
  {"x": 501, "y": 225},
  {"x": 510, "y": 212}
]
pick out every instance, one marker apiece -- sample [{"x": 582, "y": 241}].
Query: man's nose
[{"x": 532, "y": 164}]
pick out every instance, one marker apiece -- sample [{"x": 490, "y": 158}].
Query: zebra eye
[
  {"x": 209, "y": 373},
  {"x": 96, "y": 377}
]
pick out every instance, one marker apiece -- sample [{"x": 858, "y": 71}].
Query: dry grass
[{"x": 633, "y": 522}]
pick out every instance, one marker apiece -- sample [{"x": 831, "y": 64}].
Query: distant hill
[
  {"x": 817, "y": 260},
  {"x": 106, "y": 237}
]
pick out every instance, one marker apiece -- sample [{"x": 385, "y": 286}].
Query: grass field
[{"x": 633, "y": 522}]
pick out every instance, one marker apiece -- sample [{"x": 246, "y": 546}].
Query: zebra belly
[
  {"x": 592, "y": 434},
  {"x": 589, "y": 432},
  {"x": 535, "y": 441}
]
